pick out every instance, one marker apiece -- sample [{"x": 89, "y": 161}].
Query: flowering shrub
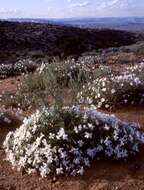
[
  {"x": 65, "y": 141},
  {"x": 112, "y": 89},
  {"x": 49, "y": 81},
  {"x": 67, "y": 71},
  {"x": 21, "y": 66}
]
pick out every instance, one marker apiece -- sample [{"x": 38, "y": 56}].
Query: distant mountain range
[{"x": 126, "y": 23}]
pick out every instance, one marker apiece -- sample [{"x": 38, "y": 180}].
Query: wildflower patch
[
  {"x": 112, "y": 90},
  {"x": 65, "y": 141}
]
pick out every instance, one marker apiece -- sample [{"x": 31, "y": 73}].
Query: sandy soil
[
  {"x": 9, "y": 85},
  {"x": 103, "y": 175}
]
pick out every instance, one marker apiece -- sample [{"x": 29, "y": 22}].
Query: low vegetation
[
  {"x": 112, "y": 90},
  {"x": 67, "y": 133},
  {"x": 64, "y": 141},
  {"x": 21, "y": 40},
  {"x": 21, "y": 66}
]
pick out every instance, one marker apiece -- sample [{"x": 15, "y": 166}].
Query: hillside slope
[{"x": 19, "y": 40}]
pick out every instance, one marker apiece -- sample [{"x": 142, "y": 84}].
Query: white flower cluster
[
  {"x": 108, "y": 91},
  {"x": 64, "y": 142},
  {"x": 18, "y": 68}
]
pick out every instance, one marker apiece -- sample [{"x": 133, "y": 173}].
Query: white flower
[
  {"x": 102, "y": 100},
  {"x": 88, "y": 135},
  {"x": 103, "y": 84},
  {"x": 91, "y": 126},
  {"x": 31, "y": 171},
  {"x": 30, "y": 147},
  {"x": 104, "y": 89},
  {"x": 61, "y": 134},
  {"x": 106, "y": 127},
  {"x": 107, "y": 142},
  {"x": 107, "y": 106},
  {"x": 59, "y": 171},
  {"x": 76, "y": 129},
  {"x": 51, "y": 135},
  {"x": 113, "y": 91}
]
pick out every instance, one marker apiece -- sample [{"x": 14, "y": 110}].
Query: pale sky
[{"x": 70, "y": 8}]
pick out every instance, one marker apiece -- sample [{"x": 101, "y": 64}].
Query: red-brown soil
[
  {"x": 9, "y": 85},
  {"x": 103, "y": 175}
]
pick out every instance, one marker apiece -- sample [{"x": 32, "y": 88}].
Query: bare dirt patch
[{"x": 9, "y": 85}]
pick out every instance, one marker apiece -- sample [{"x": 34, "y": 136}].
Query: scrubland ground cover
[
  {"x": 114, "y": 89},
  {"x": 65, "y": 134},
  {"x": 59, "y": 91}
]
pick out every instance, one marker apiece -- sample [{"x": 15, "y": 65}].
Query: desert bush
[
  {"x": 64, "y": 141},
  {"x": 47, "y": 83},
  {"x": 21, "y": 66},
  {"x": 65, "y": 73},
  {"x": 111, "y": 90},
  {"x": 53, "y": 79},
  {"x": 36, "y": 90},
  {"x": 39, "y": 88}
]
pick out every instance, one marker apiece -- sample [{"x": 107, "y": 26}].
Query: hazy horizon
[
  {"x": 77, "y": 17},
  {"x": 60, "y": 9}
]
